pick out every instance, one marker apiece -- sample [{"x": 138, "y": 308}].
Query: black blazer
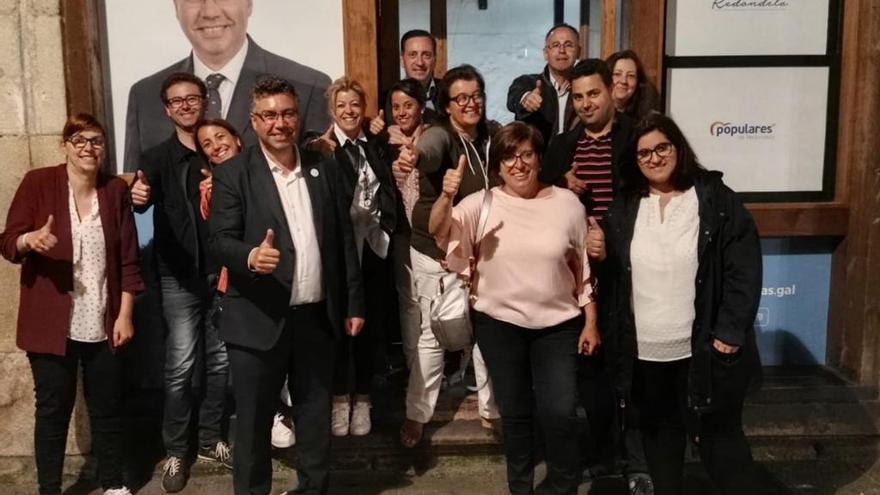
[
  {"x": 560, "y": 153},
  {"x": 244, "y": 203},
  {"x": 172, "y": 171},
  {"x": 379, "y": 159},
  {"x": 146, "y": 124},
  {"x": 546, "y": 119}
]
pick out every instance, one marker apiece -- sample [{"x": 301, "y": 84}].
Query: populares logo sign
[
  {"x": 742, "y": 131},
  {"x": 749, "y": 4}
]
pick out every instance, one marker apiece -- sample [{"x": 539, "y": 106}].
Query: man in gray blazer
[{"x": 229, "y": 62}]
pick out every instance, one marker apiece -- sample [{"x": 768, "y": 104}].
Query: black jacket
[
  {"x": 244, "y": 203},
  {"x": 546, "y": 119},
  {"x": 180, "y": 234},
  {"x": 560, "y": 154},
  {"x": 728, "y": 289}
]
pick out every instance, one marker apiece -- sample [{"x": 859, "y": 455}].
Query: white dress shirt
[
  {"x": 562, "y": 98},
  {"x": 89, "y": 294},
  {"x": 307, "y": 284},
  {"x": 231, "y": 71},
  {"x": 365, "y": 213}
]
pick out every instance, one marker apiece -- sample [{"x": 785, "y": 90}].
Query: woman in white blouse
[
  {"x": 533, "y": 311},
  {"x": 685, "y": 295},
  {"x": 72, "y": 230}
]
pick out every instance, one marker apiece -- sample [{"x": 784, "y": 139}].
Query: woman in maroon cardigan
[{"x": 72, "y": 230}]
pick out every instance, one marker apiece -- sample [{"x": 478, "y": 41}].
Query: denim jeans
[
  {"x": 55, "y": 390},
  {"x": 192, "y": 345},
  {"x": 534, "y": 375}
]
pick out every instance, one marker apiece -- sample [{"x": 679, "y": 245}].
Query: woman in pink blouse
[
  {"x": 72, "y": 230},
  {"x": 532, "y": 307}
]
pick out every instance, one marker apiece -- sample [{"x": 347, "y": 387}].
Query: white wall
[{"x": 144, "y": 37}]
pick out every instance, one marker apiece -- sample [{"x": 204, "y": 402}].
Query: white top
[
  {"x": 532, "y": 269},
  {"x": 307, "y": 285},
  {"x": 89, "y": 294},
  {"x": 664, "y": 270},
  {"x": 365, "y": 214},
  {"x": 562, "y": 99},
  {"x": 231, "y": 71}
]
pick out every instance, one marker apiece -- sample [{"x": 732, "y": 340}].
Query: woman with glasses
[
  {"x": 532, "y": 309},
  {"x": 72, "y": 230},
  {"x": 463, "y": 131},
  {"x": 688, "y": 265},
  {"x": 632, "y": 92}
]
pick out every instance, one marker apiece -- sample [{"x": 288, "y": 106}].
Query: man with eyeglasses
[
  {"x": 230, "y": 62},
  {"x": 542, "y": 100},
  {"x": 280, "y": 224},
  {"x": 168, "y": 179},
  {"x": 588, "y": 159}
]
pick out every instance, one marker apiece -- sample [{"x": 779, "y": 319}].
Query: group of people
[{"x": 608, "y": 271}]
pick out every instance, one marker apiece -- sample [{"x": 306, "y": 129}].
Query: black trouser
[
  {"x": 55, "y": 390},
  {"x": 660, "y": 392},
  {"x": 362, "y": 350},
  {"x": 304, "y": 354},
  {"x": 534, "y": 373}
]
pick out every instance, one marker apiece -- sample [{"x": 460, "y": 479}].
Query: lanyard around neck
[{"x": 484, "y": 169}]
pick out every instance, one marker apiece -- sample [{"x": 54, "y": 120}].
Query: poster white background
[
  {"x": 144, "y": 37},
  {"x": 744, "y": 27},
  {"x": 793, "y": 100}
]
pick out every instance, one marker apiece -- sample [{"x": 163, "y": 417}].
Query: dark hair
[
  {"x": 417, "y": 33},
  {"x": 508, "y": 138},
  {"x": 564, "y": 25},
  {"x": 215, "y": 122},
  {"x": 181, "y": 77},
  {"x": 410, "y": 87},
  {"x": 271, "y": 86},
  {"x": 463, "y": 72},
  {"x": 646, "y": 98},
  {"x": 686, "y": 168},
  {"x": 589, "y": 66},
  {"x": 79, "y": 123}
]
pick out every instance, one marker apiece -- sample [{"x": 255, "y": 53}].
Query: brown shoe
[{"x": 411, "y": 433}]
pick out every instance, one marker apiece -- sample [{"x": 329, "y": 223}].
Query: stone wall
[{"x": 33, "y": 110}]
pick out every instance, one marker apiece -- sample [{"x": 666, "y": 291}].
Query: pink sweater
[{"x": 532, "y": 269}]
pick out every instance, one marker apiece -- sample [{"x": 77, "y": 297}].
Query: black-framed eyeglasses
[
  {"x": 463, "y": 99},
  {"x": 663, "y": 150},
  {"x": 566, "y": 47},
  {"x": 178, "y": 101},
  {"x": 270, "y": 117},
  {"x": 528, "y": 157},
  {"x": 79, "y": 142}
]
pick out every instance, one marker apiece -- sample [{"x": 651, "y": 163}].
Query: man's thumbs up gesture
[
  {"x": 42, "y": 239},
  {"x": 140, "y": 190},
  {"x": 263, "y": 259},
  {"x": 532, "y": 101}
]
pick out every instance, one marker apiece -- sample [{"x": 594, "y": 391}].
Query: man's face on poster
[{"x": 215, "y": 28}]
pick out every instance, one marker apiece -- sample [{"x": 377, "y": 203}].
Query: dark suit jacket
[
  {"x": 244, "y": 203},
  {"x": 172, "y": 171},
  {"x": 560, "y": 153},
  {"x": 46, "y": 280},
  {"x": 546, "y": 119},
  {"x": 379, "y": 159},
  {"x": 146, "y": 124}
]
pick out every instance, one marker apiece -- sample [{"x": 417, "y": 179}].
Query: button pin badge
[{"x": 314, "y": 172}]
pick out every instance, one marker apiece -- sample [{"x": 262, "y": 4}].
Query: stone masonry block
[
  {"x": 44, "y": 71},
  {"x": 43, "y": 7},
  {"x": 9, "y": 291},
  {"x": 9, "y": 7},
  {"x": 11, "y": 82},
  {"x": 45, "y": 150},
  {"x": 16, "y": 162}
]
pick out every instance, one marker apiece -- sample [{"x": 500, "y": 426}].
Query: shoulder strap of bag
[{"x": 484, "y": 217}]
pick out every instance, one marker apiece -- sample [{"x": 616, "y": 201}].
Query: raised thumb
[
  {"x": 49, "y": 223},
  {"x": 538, "y": 85},
  {"x": 382, "y": 114},
  {"x": 462, "y": 162},
  {"x": 593, "y": 223},
  {"x": 206, "y": 172},
  {"x": 328, "y": 132},
  {"x": 142, "y": 178},
  {"x": 269, "y": 240}
]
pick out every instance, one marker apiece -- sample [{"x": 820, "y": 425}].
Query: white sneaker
[
  {"x": 282, "y": 435},
  {"x": 360, "y": 419},
  {"x": 340, "y": 418},
  {"x": 118, "y": 491}
]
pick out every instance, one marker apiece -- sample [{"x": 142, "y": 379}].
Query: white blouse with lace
[{"x": 89, "y": 295}]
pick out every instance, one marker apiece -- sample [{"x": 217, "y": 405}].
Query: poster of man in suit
[{"x": 229, "y": 44}]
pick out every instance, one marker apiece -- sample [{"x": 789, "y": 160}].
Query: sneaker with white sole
[
  {"x": 360, "y": 419},
  {"x": 283, "y": 436},
  {"x": 173, "y": 475},
  {"x": 118, "y": 491},
  {"x": 219, "y": 453},
  {"x": 340, "y": 418}
]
